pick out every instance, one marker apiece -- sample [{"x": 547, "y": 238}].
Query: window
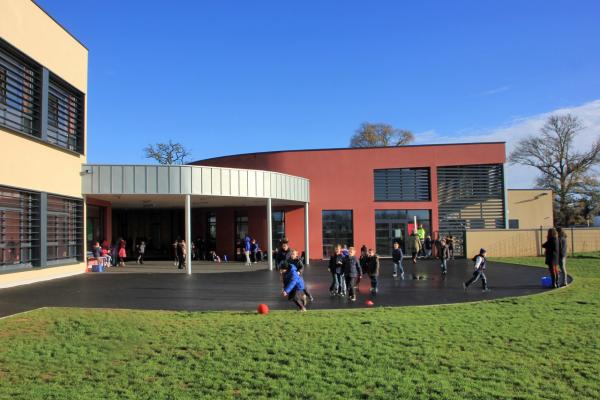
[
  {"x": 65, "y": 115},
  {"x": 513, "y": 224},
  {"x": 278, "y": 227},
  {"x": 402, "y": 184},
  {"x": 470, "y": 196},
  {"x": 95, "y": 224},
  {"x": 65, "y": 230},
  {"x": 211, "y": 231},
  {"x": 20, "y": 82},
  {"x": 395, "y": 226},
  {"x": 2, "y": 85},
  {"x": 337, "y": 229},
  {"x": 19, "y": 229}
]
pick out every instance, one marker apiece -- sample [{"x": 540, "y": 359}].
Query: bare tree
[
  {"x": 561, "y": 168},
  {"x": 167, "y": 153},
  {"x": 374, "y": 135}
]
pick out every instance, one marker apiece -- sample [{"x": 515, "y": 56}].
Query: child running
[
  {"x": 480, "y": 266},
  {"x": 297, "y": 262},
  {"x": 293, "y": 285}
]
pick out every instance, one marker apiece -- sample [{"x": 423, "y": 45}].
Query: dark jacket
[
  {"x": 562, "y": 247},
  {"x": 444, "y": 252},
  {"x": 397, "y": 255},
  {"x": 551, "y": 251},
  {"x": 428, "y": 243},
  {"x": 336, "y": 264},
  {"x": 372, "y": 265},
  {"x": 282, "y": 256},
  {"x": 352, "y": 267}
]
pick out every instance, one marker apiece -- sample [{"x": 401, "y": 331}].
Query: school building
[{"x": 54, "y": 205}]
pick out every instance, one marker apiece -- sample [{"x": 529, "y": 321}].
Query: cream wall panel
[
  {"x": 215, "y": 175},
  {"x": 243, "y": 183},
  {"x": 251, "y": 183},
  {"x": 174, "y": 180},
  {"x": 235, "y": 182},
  {"x": 151, "y": 180},
  {"x": 162, "y": 178},
  {"x": 225, "y": 186},
  {"x": 140, "y": 179},
  {"x": 27, "y": 27},
  {"x": 206, "y": 180},
  {"x": 186, "y": 179},
  {"x": 28, "y": 164},
  {"x": 196, "y": 180}
]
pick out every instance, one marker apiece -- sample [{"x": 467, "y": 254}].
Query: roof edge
[
  {"x": 342, "y": 148},
  {"x": 59, "y": 24}
]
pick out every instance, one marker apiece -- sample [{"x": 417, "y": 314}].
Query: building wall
[
  {"x": 27, "y": 162},
  {"x": 532, "y": 207},
  {"x": 342, "y": 179}
]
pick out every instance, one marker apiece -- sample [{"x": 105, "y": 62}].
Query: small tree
[
  {"x": 561, "y": 168},
  {"x": 374, "y": 135},
  {"x": 167, "y": 153}
]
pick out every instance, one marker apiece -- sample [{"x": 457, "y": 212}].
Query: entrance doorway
[
  {"x": 388, "y": 232},
  {"x": 394, "y": 225}
]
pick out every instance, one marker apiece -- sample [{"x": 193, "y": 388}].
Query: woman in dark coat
[{"x": 551, "y": 250}]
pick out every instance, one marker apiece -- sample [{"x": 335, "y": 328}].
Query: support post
[
  {"x": 306, "y": 238},
  {"x": 269, "y": 233},
  {"x": 188, "y": 233}
]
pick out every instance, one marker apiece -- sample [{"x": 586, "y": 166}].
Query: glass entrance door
[{"x": 386, "y": 233}]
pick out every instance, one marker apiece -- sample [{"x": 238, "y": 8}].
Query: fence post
[
  {"x": 572, "y": 243},
  {"x": 541, "y": 241}
]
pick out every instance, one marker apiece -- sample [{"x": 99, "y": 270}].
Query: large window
[
  {"x": 402, "y": 184},
  {"x": 19, "y": 229},
  {"x": 23, "y": 85},
  {"x": 470, "y": 197},
  {"x": 211, "y": 231},
  {"x": 95, "y": 225},
  {"x": 337, "y": 229},
  {"x": 65, "y": 116},
  {"x": 65, "y": 230},
  {"x": 20, "y": 83},
  {"x": 278, "y": 227},
  {"x": 396, "y": 225}
]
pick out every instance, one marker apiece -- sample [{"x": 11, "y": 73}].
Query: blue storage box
[
  {"x": 546, "y": 282},
  {"x": 98, "y": 268}
]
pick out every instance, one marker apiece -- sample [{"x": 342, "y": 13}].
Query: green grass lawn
[{"x": 543, "y": 346}]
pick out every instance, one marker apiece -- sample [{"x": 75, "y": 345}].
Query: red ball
[
  {"x": 370, "y": 303},
  {"x": 263, "y": 309}
]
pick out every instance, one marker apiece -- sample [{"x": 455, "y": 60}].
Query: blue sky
[{"x": 228, "y": 77}]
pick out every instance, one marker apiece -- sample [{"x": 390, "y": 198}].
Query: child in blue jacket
[{"x": 293, "y": 286}]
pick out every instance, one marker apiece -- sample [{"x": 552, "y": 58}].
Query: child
[
  {"x": 480, "y": 266},
  {"x": 107, "y": 257},
  {"x": 372, "y": 264},
  {"x": 297, "y": 263},
  {"x": 122, "y": 254},
  {"x": 397, "y": 257},
  {"x": 444, "y": 256},
  {"x": 352, "y": 272},
  {"x": 293, "y": 286},
  {"x": 336, "y": 268}
]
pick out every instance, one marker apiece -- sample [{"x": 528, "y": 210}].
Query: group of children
[{"x": 110, "y": 256}]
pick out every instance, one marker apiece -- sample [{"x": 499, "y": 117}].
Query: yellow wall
[
  {"x": 533, "y": 208},
  {"x": 527, "y": 242},
  {"x": 25, "y": 162},
  {"x": 27, "y": 27}
]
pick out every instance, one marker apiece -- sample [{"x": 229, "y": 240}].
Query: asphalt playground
[{"x": 235, "y": 287}]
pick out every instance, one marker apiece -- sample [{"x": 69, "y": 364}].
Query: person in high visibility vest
[{"x": 421, "y": 232}]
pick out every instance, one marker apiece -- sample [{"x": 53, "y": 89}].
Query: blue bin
[
  {"x": 546, "y": 282},
  {"x": 98, "y": 268}
]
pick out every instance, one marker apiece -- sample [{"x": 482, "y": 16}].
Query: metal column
[
  {"x": 306, "y": 241},
  {"x": 188, "y": 233},
  {"x": 269, "y": 233}
]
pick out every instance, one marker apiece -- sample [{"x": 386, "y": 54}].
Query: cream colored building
[
  {"x": 43, "y": 85},
  {"x": 529, "y": 208}
]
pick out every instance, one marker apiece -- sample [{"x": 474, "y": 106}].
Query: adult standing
[
  {"x": 551, "y": 250},
  {"x": 414, "y": 244},
  {"x": 421, "y": 233},
  {"x": 562, "y": 254},
  {"x": 181, "y": 253}
]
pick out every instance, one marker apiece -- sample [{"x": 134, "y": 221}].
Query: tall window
[
  {"x": 278, "y": 226},
  {"x": 211, "y": 231},
  {"x": 337, "y": 229},
  {"x": 19, "y": 229},
  {"x": 65, "y": 230},
  {"x": 95, "y": 224},
  {"x": 20, "y": 83},
  {"x": 402, "y": 184},
  {"x": 65, "y": 116}
]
